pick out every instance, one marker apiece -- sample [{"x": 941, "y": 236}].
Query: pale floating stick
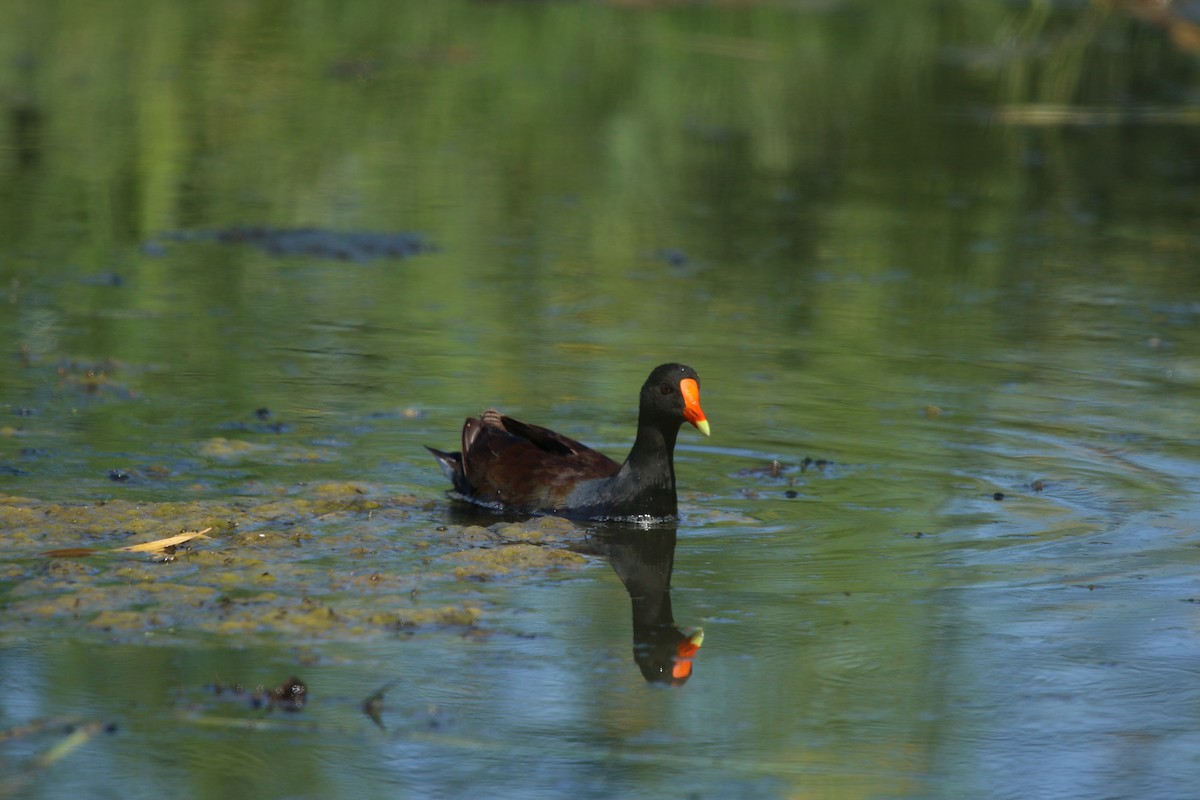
[
  {"x": 37, "y": 726},
  {"x": 17, "y": 782},
  {"x": 145, "y": 547},
  {"x": 79, "y": 736},
  {"x": 163, "y": 544}
]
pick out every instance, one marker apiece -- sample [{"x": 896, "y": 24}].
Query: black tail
[{"x": 452, "y": 468}]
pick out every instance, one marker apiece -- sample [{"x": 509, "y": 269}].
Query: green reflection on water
[{"x": 824, "y": 210}]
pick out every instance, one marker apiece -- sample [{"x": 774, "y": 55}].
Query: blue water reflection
[{"x": 935, "y": 263}]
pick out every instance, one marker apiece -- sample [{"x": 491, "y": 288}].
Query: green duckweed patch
[
  {"x": 320, "y": 562},
  {"x": 511, "y": 559}
]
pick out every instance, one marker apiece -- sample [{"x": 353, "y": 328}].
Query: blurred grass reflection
[
  {"x": 944, "y": 246},
  {"x": 552, "y": 150}
]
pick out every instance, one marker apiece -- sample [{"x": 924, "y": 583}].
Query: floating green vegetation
[{"x": 325, "y": 561}]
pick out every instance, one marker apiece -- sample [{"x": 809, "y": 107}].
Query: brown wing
[{"x": 523, "y": 466}]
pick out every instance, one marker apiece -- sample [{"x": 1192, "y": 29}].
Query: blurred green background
[{"x": 949, "y": 247}]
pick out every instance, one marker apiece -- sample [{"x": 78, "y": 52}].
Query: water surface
[{"x": 942, "y": 542}]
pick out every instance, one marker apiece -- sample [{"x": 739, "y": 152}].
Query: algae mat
[{"x": 331, "y": 561}]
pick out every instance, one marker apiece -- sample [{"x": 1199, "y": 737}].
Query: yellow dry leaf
[{"x": 163, "y": 544}]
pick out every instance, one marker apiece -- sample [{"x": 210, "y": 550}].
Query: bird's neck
[
  {"x": 649, "y": 472},
  {"x": 651, "y": 455}
]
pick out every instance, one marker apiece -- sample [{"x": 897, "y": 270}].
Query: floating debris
[
  {"x": 672, "y": 256},
  {"x": 357, "y": 246},
  {"x": 263, "y": 422},
  {"x": 103, "y": 279},
  {"x": 289, "y": 696},
  {"x": 373, "y": 705},
  {"x": 315, "y": 562},
  {"x": 160, "y": 546},
  {"x": 774, "y": 469},
  {"x": 93, "y": 378},
  {"x": 74, "y": 733}
]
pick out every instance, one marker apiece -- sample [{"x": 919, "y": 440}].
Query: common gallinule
[{"x": 509, "y": 465}]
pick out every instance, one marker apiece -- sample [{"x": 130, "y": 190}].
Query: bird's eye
[{"x": 666, "y": 388}]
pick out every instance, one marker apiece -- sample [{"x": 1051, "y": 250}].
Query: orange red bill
[
  {"x": 685, "y": 652},
  {"x": 691, "y": 405}
]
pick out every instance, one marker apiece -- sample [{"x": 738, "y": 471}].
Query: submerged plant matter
[{"x": 320, "y": 563}]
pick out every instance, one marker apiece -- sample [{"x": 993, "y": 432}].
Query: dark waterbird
[{"x": 509, "y": 465}]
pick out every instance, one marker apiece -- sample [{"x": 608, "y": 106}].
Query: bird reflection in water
[{"x": 643, "y": 559}]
